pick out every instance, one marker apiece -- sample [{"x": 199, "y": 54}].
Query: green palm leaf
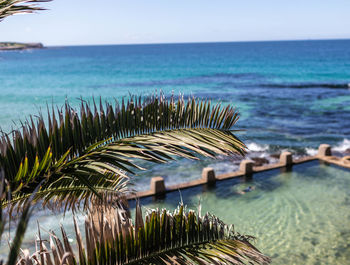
[
  {"x": 181, "y": 237},
  {"x": 21, "y": 226},
  {"x": 12, "y": 7},
  {"x": 96, "y": 149}
]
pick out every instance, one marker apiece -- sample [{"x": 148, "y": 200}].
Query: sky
[{"x": 89, "y": 22}]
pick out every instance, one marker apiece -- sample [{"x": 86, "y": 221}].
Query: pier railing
[{"x": 246, "y": 170}]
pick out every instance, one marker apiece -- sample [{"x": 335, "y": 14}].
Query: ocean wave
[
  {"x": 309, "y": 85},
  {"x": 255, "y": 147},
  {"x": 311, "y": 151},
  {"x": 342, "y": 147}
]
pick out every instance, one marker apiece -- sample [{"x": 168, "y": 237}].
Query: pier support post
[
  {"x": 286, "y": 159},
  {"x": 324, "y": 150},
  {"x": 157, "y": 185},
  {"x": 208, "y": 176},
  {"x": 246, "y": 167}
]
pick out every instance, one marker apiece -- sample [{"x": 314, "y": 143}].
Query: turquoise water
[
  {"x": 298, "y": 217},
  {"x": 291, "y": 95}
]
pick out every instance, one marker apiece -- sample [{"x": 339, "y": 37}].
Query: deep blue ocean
[{"x": 291, "y": 95}]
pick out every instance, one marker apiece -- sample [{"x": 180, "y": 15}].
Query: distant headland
[{"x": 9, "y": 46}]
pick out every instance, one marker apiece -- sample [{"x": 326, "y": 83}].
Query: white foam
[
  {"x": 342, "y": 146},
  {"x": 311, "y": 151},
  {"x": 254, "y": 147}
]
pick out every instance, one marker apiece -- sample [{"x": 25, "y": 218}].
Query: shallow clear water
[{"x": 299, "y": 217}]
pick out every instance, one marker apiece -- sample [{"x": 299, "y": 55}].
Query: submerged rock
[
  {"x": 259, "y": 161},
  {"x": 277, "y": 156}
]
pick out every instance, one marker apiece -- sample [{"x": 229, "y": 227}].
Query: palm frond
[
  {"x": 20, "y": 231},
  {"x": 21, "y": 227},
  {"x": 80, "y": 131},
  {"x": 12, "y": 7},
  {"x": 97, "y": 147},
  {"x": 71, "y": 195},
  {"x": 181, "y": 237}
]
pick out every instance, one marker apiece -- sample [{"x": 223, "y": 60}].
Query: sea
[{"x": 291, "y": 95}]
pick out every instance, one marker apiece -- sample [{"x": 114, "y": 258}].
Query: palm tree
[
  {"x": 82, "y": 158},
  {"x": 77, "y": 156},
  {"x": 86, "y": 156},
  {"x": 12, "y": 7}
]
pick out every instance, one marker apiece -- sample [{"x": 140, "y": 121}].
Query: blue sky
[{"x": 74, "y": 22}]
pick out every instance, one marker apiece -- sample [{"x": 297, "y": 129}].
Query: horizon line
[{"x": 195, "y": 42}]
